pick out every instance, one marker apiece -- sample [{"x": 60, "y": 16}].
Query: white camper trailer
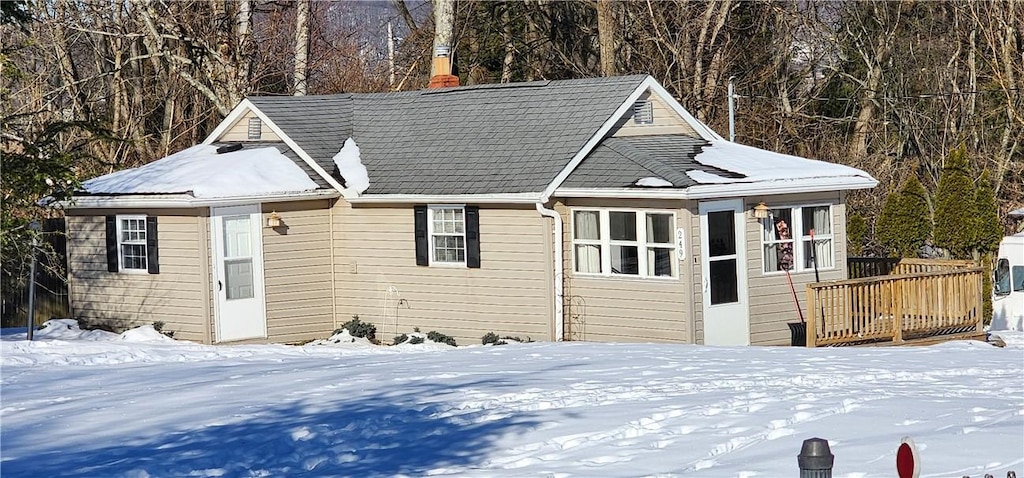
[{"x": 1008, "y": 285}]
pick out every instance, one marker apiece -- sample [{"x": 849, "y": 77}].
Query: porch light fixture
[
  {"x": 274, "y": 220},
  {"x": 761, "y": 210}
]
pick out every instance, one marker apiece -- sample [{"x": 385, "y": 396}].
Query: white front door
[
  {"x": 723, "y": 273},
  {"x": 238, "y": 272}
]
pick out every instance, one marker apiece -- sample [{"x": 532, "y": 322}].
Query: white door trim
[
  {"x": 729, "y": 323},
  {"x": 256, "y": 320}
]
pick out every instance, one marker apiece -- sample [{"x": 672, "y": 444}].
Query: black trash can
[{"x": 798, "y": 334}]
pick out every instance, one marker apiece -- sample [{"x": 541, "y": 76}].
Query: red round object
[{"x": 905, "y": 462}]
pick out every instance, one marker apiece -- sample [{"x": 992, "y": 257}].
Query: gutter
[
  {"x": 187, "y": 200},
  {"x": 509, "y": 198},
  {"x": 725, "y": 190},
  {"x": 559, "y": 318}
]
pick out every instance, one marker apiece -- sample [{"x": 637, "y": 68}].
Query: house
[{"x": 593, "y": 209}]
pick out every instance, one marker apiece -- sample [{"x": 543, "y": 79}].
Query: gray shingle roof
[
  {"x": 480, "y": 139},
  {"x": 318, "y": 124},
  {"x": 622, "y": 161}
]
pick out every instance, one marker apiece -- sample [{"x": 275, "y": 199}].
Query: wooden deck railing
[
  {"x": 860, "y": 267},
  {"x": 895, "y": 307}
]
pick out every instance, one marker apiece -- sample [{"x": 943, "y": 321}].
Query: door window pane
[
  {"x": 1018, "y": 278},
  {"x": 721, "y": 233},
  {"x": 724, "y": 289},
  {"x": 238, "y": 278},
  {"x": 623, "y": 225},
  {"x": 237, "y": 236}
]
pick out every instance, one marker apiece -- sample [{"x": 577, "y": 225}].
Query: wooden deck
[{"x": 923, "y": 301}]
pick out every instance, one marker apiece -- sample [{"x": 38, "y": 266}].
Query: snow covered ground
[{"x": 76, "y": 403}]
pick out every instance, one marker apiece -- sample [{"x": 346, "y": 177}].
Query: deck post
[
  {"x": 980, "y": 304},
  {"x": 897, "y": 310},
  {"x": 812, "y": 328}
]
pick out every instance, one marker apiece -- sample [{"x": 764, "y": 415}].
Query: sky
[{"x": 93, "y": 403}]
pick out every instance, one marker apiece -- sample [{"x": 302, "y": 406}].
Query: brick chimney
[{"x": 443, "y": 77}]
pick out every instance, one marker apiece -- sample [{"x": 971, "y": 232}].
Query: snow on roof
[
  {"x": 654, "y": 182},
  {"x": 351, "y": 167},
  {"x": 760, "y": 165},
  {"x": 202, "y": 172}
]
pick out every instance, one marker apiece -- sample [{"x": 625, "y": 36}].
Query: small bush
[
  {"x": 416, "y": 339},
  {"x": 400, "y": 339},
  {"x": 159, "y": 327},
  {"x": 440, "y": 338},
  {"x": 493, "y": 339},
  {"x": 358, "y": 328}
]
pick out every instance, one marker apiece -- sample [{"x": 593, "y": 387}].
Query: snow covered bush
[
  {"x": 358, "y": 328},
  {"x": 493, "y": 339},
  {"x": 440, "y": 338}
]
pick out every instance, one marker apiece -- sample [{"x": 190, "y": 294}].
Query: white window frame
[
  {"x": 135, "y": 242},
  {"x": 431, "y": 210},
  {"x": 605, "y": 242},
  {"x": 798, "y": 239}
]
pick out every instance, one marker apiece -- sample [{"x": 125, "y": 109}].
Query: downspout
[{"x": 557, "y": 244}]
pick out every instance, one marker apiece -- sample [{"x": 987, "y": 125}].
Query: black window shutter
[
  {"x": 111, "y": 243},
  {"x": 422, "y": 243},
  {"x": 473, "y": 237},
  {"x": 152, "y": 252}
]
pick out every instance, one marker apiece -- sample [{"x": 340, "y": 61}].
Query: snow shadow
[{"x": 384, "y": 433}]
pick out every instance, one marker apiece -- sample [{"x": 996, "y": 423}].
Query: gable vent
[
  {"x": 643, "y": 112},
  {"x": 255, "y": 128}
]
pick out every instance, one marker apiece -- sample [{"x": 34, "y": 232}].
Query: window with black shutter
[
  {"x": 447, "y": 235},
  {"x": 131, "y": 243}
]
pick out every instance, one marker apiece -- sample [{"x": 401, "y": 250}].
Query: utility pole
[{"x": 732, "y": 112}]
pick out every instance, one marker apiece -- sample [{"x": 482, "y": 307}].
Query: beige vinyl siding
[
  {"x": 771, "y": 299},
  {"x": 297, "y": 271},
  {"x": 174, "y": 296},
  {"x": 619, "y": 309},
  {"x": 377, "y": 277},
  {"x": 666, "y": 121},
  {"x": 240, "y": 130}
]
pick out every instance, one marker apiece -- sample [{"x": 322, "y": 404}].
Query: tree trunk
[
  {"x": 299, "y": 79},
  {"x": 606, "y": 35}
]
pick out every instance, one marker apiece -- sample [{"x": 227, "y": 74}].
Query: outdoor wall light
[
  {"x": 761, "y": 210},
  {"x": 274, "y": 220}
]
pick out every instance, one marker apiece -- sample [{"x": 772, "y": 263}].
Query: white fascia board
[
  {"x": 623, "y": 193},
  {"x": 702, "y": 129},
  {"x": 511, "y": 198},
  {"x": 789, "y": 186},
  {"x": 187, "y": 200},
  {"x": 709, "y": 191},
  {"x": 597, "y": 137},
  {"x": 247, "y": 105}
]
